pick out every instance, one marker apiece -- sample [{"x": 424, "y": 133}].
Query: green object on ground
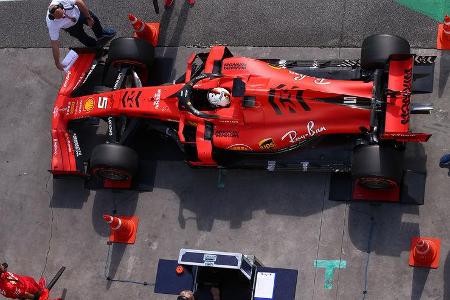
[
  {"x": 435, "y": 9},
  {"x": 329, "y": 266}
]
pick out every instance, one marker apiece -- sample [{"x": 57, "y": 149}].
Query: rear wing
[{"x": 398, "y": 101}]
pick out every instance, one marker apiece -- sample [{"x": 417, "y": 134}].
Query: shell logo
[
  {"x": 89, "y": 104},
  {"x": 267, "y": 144}
]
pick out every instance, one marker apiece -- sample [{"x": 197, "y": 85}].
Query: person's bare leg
[{"x": 215, "y": 293}]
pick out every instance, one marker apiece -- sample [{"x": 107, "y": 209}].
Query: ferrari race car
[{"x": 343, "y": 116}]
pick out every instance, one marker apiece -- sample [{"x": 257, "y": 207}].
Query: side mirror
[{"x": 445, "y": 162}]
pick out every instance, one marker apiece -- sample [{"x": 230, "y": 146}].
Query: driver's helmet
[{"x": 219, "y": 97}]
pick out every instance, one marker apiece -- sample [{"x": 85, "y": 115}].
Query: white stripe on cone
[
  {"x": 447, "y": 21},
  {"x": 142, "y": 27},
  {"x": 446, "y": 29},
  {"x": 118, "y": 225}
]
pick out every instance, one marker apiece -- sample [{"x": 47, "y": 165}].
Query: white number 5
[{"x": 102, "y": 102}]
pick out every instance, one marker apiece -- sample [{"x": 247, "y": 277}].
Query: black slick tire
[
  {"x": 131, "y": 50},
  {"x": 377, "y": 48},
  {"x": 377, "y": 167},
  {"x": 113, "y": 162}
]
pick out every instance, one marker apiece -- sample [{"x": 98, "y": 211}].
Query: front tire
[
  {"x": 113, "y": 162},
  {"x": 131, "y": 51}
]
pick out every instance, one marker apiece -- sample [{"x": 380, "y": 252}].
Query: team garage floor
[{"x": 283, "y": 219}]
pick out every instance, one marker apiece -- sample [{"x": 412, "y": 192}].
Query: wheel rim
[
  {"x": 377, "y": 183},
  {"x": 112, "y": 174}
]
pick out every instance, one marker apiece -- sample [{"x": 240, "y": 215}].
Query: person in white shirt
[{"x": 71, "y": 15}]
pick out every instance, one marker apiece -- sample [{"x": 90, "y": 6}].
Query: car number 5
[{"x": 102, "y": 102}]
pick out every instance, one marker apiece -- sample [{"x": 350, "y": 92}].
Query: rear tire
[
  {"x": 377, "y": 48},
  {"x": 377, "y": 167},
  {"x": 113, "y": 162},
  {"x": 131, "y": 50}
]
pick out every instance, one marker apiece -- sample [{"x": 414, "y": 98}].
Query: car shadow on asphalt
[
  {"x": 391, "y": 233},
  {"x": 69, "y": 193},
  {"x": 179, "y": 27},
  {"x": 446, "y": 273},
  {"x": 420, "y": 276},
  {"x": 444, "y": 71},
  {"x": 244, "y": 192},
  {"x": 117, "y": 203}
]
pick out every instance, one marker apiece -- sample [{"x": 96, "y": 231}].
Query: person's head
[
  {"x": 3, "y": 267},
  {"x": 219, "y": 97},
  {"x": 186, "y": 295},
  {"x": 56, "y": 11}
]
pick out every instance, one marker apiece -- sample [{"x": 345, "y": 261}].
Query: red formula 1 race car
[{"x": 347, "y": 116}]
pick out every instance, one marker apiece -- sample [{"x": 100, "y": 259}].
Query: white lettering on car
[
  {"x": 66, "y": 80},
  {"x": 116, "y": 84},
  {"x": 55, "y": 147},
  {"x": 102, "y": 102},
  {"x": 69, "y": 145},
  {"x": 321, "y": 81},
  {"x": 110, "y": 126},
  {"x": 157, "y": 99},
  {"x": 76, "y": 146},
  {"x": 311, "y": 131},
  {"x": 55, "y": 112},
  {"x": 300, "y": 77},
  {"x": 90, "y": 72}
]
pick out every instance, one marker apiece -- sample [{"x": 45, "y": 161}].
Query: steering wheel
[{"x": 184, "y": 97}]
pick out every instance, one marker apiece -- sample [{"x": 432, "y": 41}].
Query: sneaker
[{"x": 108, "y": 33}]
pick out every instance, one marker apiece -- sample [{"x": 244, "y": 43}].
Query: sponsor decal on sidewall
[{"x": 267, "y": 144}]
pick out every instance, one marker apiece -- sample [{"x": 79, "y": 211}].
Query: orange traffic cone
[
  {"x": 145, "y": 31},
  {"x": 123, "y": 228},
  {"x": 424, "y": 252},
  {"x": 443, "y": 39}
]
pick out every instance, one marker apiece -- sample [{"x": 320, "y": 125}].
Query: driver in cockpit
[{"x": 219, "y": 97}]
